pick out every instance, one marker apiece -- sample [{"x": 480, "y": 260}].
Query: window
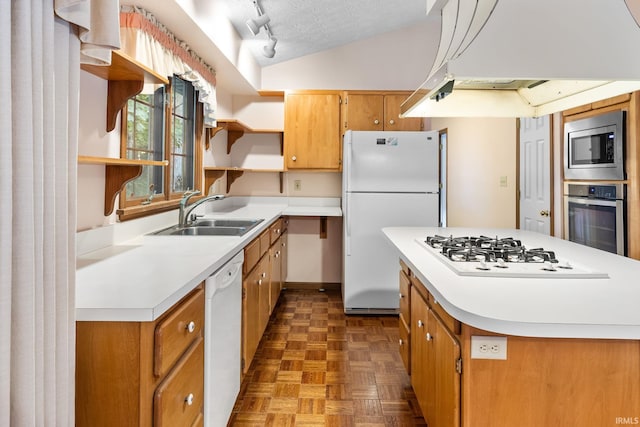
[{"x": 161, "y": 126}]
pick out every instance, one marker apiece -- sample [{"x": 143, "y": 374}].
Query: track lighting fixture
[
  {"x": 255, "y": 24},
  {"x": 269, "y": 50}
]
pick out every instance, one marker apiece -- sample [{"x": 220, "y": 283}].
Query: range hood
[{"x": 522, "y": 58}]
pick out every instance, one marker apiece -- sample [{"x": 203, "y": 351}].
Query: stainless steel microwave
[{"x": 594, "y": 147}]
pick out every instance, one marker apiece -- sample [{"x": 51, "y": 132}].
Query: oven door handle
[{"x": 593, "y": 202}]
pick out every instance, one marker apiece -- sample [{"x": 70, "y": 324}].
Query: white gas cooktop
[{"x": 564, "y": 269}]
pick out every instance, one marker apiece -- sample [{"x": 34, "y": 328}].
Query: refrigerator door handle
[
  {"x": 348, "y": 162},
  {"x": 347, "y": 214}
]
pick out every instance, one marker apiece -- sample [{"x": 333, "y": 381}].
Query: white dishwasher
[{"x": 223, "y": 319}]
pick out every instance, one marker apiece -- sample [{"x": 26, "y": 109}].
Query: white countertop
[
  {"x": 141, "y": 278},
  {"x": 541, "y": 307}
]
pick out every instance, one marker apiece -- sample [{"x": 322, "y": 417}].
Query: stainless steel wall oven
[
  {"x": 594, "y": 147},
  {"x": 595, "y": 215}
]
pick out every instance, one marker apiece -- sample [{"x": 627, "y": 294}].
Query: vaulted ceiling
[{"x": 303, "y": 27}]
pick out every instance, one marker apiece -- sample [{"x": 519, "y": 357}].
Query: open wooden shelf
[
  {"x": 117, "y": 173},
  {"x": 126, "y": 78},
  {"x": 212, "y": 174},
  {"x": 235, "y": 130}
]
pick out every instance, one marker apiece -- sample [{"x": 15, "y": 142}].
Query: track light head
[
  {"x": 269, "y": 49},
  {"x": 255, "y": 24}
]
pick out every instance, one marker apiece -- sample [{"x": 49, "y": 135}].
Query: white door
[
  {"x": 370, "y": 260},
  {"x": 535, "y": 174}
]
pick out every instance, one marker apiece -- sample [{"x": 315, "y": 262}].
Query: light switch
[
  {"x": 503, "y": 181},
  {"x": 297, "y": 185}
]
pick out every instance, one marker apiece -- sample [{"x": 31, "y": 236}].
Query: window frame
[{"x": 133, "y": 208}]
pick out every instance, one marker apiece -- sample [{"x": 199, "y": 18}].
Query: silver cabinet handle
[
  {"x": 263, "y": 275},
  {"x": 376, "y": 122},
  {"x": 191, "y": 326},
  {"x": 400, "y": 295},
  {"x": 189, "y": 399},
  {"x": 429, "y": 337},
  {"x": 260, "y": 282},
  {"x": 400, "y": 341},
  {"x": 391, "y": 122},
  {"x": 420, "y": 324},
  {"x": 294, "y": 158}
]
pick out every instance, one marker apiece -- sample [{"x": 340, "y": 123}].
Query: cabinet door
[
  {"x": 276, "y": 274},
  {"x": 364, "y": 112},
  {"x": 312, "y": 137},
  {"x": 284, "y": 239},
  {"x": 392, "y": 121},
  {"x": 250, "y": 317},
  {"x": 419, "y": 369},
  {"x": 444, "y": 352},
  {"x": 264, "y": 294}
]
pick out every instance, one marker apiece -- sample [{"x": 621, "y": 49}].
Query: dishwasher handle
[{"x": 225, "y": 276}]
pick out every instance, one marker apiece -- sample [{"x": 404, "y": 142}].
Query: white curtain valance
[
  {"x": 98, "y": 23},
  {"x": 150, "y": 43}
]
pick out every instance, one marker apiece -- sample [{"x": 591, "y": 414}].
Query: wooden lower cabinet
[
  {"x": 261, "y": 286},
  {"x": 142, "y": 373},
  {"x": 405, "y": 317},
  {"x": 275, "y": 255},
  {"x": 543, "y": 381},
  {"x": 434, "y": 371},
  {"x": 250, "y": 317}
]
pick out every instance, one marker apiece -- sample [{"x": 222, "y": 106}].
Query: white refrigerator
[{"x": 389, "y": 179}]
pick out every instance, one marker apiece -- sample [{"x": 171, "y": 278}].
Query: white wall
[
  {"x": 480, "y": 152},
  {"x": 398, "y": 60},
  {"x": 311, "y": 259},
  {"x": 94, "y": 140}
]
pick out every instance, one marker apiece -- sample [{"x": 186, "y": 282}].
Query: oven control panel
[{"x": 606, "y": 192}]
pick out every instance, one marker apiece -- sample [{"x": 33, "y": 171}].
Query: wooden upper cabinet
[
  {"x": 312, "y": 137},
  {"x": 377, "y": 111},
  {"x": 392, "y": 114},
  {"x": 364, "y": 112}
]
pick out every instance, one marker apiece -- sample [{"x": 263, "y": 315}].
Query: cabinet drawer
[
  {"x": 178, "y": 400},
  {"x": 405, "y": 298},
  {"x": 405, "y": 345},
  {"x": 451, "y": 323},
  {"x": 265, "y": 242},
  {"x": 251, "y": 255},
  {"x": 177, "y": 331},
  {"x": 275, "y": 231}
]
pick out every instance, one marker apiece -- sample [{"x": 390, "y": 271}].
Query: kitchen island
[{"x": 571, "y": 344}]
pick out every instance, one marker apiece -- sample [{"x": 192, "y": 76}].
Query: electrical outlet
[
  {"x": 484, "y": 347},
  {"x": 297, "y": 185},
  {"x": 503, "y": 181}
]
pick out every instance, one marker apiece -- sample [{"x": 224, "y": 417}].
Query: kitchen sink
[{"x": 211, "y": 227}]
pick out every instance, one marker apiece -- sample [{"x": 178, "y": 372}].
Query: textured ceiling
[{"x": 303, "y": 27}]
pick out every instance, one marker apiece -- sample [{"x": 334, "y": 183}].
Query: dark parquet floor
[{"x": 316, "y": 366}]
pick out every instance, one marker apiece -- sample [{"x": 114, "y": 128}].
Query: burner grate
[{"x": 488, "y": 249}]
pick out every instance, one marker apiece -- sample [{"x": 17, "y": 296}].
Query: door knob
[{"x": 544, "y": 213}]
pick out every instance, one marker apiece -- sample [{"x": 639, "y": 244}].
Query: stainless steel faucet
[{"x": 183, "y": 212}]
